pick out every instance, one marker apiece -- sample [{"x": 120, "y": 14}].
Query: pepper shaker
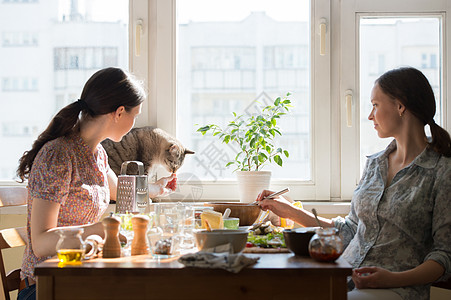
[
  {"x": 140, "y": 245},
  {"x": 112, "y": 245}
]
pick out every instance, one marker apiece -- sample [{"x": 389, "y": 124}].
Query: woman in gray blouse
[{"x": 398, "y": 231}]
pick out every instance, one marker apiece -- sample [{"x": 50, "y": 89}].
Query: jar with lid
[{"x": 325, "y": 245}]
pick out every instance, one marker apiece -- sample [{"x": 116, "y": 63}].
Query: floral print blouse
[
  {"x": 398, "y": 227},
  {"x": 67, "y": 172}
]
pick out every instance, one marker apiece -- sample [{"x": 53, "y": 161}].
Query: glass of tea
[{"x": 71, "y": 248}]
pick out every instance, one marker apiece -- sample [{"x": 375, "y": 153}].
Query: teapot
[{"x": 71, "y": 248}]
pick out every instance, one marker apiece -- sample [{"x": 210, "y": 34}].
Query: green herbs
[
  {"x": 254, "y": 135},
  {"x": 270, "y": 240}
]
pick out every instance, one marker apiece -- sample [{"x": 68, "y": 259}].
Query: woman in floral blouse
[
  {"x": 69, "y": 180},
  {"x": 398, "y": 232}
]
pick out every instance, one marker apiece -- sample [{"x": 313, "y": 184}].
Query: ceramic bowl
[
  {"x": 297, "y": 240},
  {"x": 246, "y": 212},
  {"x": 211, "y": 239}
]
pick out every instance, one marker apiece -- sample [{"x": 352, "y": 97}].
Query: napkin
[{"x": 222, "y": 260}]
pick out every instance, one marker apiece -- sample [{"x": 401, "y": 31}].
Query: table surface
[
  {"x": 266, "y": 261},
  {"x": 143, "y": 277}
]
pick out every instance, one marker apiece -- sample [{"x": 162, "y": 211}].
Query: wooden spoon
[{"x": 316, "y": 217}]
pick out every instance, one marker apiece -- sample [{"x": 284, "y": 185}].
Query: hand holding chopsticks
[{"x": 285, "y": 190}]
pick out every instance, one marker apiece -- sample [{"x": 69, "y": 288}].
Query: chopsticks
[{"x": 285, "y": 190}]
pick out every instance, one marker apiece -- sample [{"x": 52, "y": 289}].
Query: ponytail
[
  {"x": 61, "y": 125},
  {"x": 441, "y": 141}
]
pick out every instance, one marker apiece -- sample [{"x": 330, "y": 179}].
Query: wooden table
[{"x": 276, "y": 276}]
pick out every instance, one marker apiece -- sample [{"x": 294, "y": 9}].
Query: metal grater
[{"x": 132, "y": 190}]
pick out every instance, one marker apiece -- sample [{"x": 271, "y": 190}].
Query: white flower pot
[{"x": 251, "y": 183}]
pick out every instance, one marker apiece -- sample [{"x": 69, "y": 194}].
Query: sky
[
  {"x": 236, "y": 10},
  {"x": 200, "y": 10}
]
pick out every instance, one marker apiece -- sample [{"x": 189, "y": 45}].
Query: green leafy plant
[{"x": 255, "y": 135}]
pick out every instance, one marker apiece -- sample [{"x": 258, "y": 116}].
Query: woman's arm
[
  {"x": 112, "y": 182},
  {"x": 375, "y": 277},
  {"x": 285, "y": 209},
  {"x": 44, "y": 217}
]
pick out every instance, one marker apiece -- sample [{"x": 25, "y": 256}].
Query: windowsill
[{"x": 323, "y": 208}]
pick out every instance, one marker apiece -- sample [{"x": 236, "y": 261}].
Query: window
[
  {"x": 45, "y": 66},
  {"x": 224, "y": 58},
  {"x": 202, "y": 60},
  {"x": 19, "y": 39},
  {"x": 21, "y": 84},
  {"x": 419, "y": 48},
  {"x": 86, "y": 58},
  {"x": 379, "y": 36}
]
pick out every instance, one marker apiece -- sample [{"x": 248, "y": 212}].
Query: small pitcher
[{"x": 71, "y": 248}]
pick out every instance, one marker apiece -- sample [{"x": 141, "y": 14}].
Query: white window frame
[
  {"x": 162, "y": 100},
  {"x": 347, "y": 70}
]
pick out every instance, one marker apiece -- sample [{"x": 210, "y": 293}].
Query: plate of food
[{"x": 265, "y": 238}]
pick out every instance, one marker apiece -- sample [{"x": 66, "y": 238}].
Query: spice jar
[{"x": 325, "y": 245}]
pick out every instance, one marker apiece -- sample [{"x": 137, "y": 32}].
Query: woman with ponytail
[
  {"x": 398, "y": 231},
  {"x": 69, "y": 180}
]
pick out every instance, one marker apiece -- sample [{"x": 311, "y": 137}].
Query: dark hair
[
  {"x": 412, "y": 89},
  {"x": 103, "y": 93}
]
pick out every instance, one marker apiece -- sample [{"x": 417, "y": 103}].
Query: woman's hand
[
  {"x": 278, "y": 205},
  {"x": 160, "y": 187},
  {"x": 373, "y": 277}
]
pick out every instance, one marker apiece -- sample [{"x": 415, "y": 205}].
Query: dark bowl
[
  {"x": 297, "y": 239},
  {"x": 246, "y": 212}
]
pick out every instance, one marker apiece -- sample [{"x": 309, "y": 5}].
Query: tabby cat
[{"x": 152, "y": 146}]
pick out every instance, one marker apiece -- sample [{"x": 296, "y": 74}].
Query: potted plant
[{"x": 255, "y": 136}]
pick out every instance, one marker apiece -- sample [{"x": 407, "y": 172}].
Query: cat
[{"x": 150, "y": 145}]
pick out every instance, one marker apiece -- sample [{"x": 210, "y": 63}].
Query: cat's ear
[{"x": 187, "y": 151}]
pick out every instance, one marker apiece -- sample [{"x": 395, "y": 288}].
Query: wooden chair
[{"x": 11, "y": 237}]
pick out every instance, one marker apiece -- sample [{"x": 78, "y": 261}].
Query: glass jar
[{"x": 325, "y": 245}]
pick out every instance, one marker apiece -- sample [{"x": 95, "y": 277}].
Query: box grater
[{"x": 132, "y": 190}]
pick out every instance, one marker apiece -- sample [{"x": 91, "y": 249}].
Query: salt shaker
[
  {"x": 140, "y": 245},
  {"x": 112, "y": 245}
]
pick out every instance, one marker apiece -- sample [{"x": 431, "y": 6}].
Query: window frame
[{"x": 351, "y": 11}]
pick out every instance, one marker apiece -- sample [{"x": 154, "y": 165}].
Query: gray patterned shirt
[{"x": 400, "y": 226}]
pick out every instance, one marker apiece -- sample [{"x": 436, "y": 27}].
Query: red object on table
[{"x": 173, "y": 183}]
